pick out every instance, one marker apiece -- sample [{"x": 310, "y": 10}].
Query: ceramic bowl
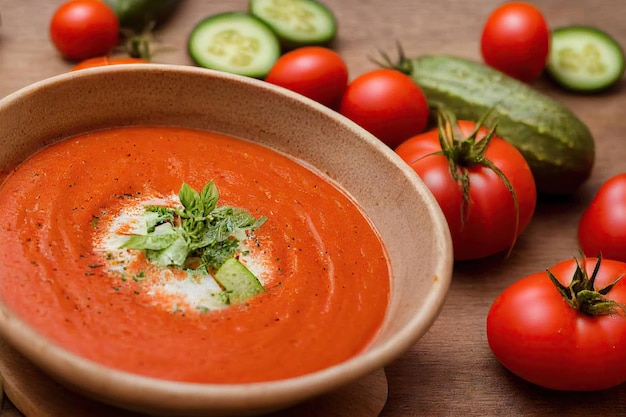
[{"x": 399, "y": 205}]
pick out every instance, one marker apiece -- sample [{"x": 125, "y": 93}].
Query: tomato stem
[
  {"x": 464, "y": 152},
  {"x": 581, "y": 294},
  {"x": 402, "y": 64},
  {"x": 139, "y": 44}
]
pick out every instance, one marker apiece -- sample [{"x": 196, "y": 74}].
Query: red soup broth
[{"x": 326, "y": 273}]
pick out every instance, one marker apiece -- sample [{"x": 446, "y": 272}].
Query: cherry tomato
[
  {"x": 82, "y": 29},
  {"x": 602, "y": 227},
  {"x": 516, "y": 40},
  {"x": 483, "y": 219},
  {"x": 101, "y": 61},
  {"x": 388, "y": 104},
  {"x": 313, "y": 71},
  {"x": 535, "y": 331}
]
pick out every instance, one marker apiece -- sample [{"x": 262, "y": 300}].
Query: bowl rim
[{"x": 122, "y": 385}]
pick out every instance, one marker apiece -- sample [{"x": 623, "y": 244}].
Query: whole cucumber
[{"x": 557, "y": 145}]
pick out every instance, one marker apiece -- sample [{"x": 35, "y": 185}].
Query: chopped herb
[
  {"x": 201, "y": 234},
  {"x": 94, "y": 221},
  {"x": 203, "y": 309},
  {"x": 139, "y": 277}
]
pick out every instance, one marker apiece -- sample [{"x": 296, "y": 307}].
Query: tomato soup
[{"x": 323, "y": 266}]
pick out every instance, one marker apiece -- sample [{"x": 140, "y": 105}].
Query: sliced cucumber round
[
  {"x": 234, "y": 42},
  {"x": 297, "y": 22},
  {"x": 584, "y": 59}
]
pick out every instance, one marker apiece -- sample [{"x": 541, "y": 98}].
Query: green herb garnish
[{"x": 200, "y": 235}]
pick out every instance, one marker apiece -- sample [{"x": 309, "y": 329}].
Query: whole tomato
[
  {"x": 82, "y": 29},
  {"x": 313, "y": 71},
  {"x": 602, "y": 227},
  {"x": 482, "y": 183},
  {"x": 516, "y": 40},
  {"x": 387, "y": 103},
  {"x": 565, "y": 328}
]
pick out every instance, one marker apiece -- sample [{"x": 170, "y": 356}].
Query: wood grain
[{"x": 451, "y": 371}]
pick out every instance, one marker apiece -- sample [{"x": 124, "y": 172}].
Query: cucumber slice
[
  {"x": 297, "y": 22},
  {"x": 584, "y": 59},
  {"x": 234, "y": 42},
  {"x": 238, "y": 281}
]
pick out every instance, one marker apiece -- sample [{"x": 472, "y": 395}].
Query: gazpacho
[{"x": 130, "y": 247}]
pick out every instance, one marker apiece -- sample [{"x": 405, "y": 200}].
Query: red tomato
[
  {"x": 313, "y": 71},
  {"x": 388, "y": 104},
  {"x": 82, "y": 29},
  {"x": 488, "y": 221},
  {"x": 602, "y": 227},
  {"x": 535, "y": 333},
  {"x": 516, "y": 40},
  {"x": 101, "y": 61}
]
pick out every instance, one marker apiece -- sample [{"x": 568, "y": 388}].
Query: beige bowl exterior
[{"x": 398, "y": 203}]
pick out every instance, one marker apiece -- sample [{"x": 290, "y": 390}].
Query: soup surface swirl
[{"x": 323, "y": 266}]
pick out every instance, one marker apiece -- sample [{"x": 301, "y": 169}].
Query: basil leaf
[
  {"x": 151, "y": 241},
  {"x": 215, "y": 255},
  {"x": 189, "y": 198},
  {"x": 209, "y": 197},
  {"x": 173, "y": 255},
  {"x": 156, "y": 216},
  {"x": 200, "y": 230},
  {"x": 258, "y": 222}
]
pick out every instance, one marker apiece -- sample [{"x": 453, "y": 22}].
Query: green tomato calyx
[
  {"x": 581, "y": 294},
  {"x": 402, "y": 63},
  {"x": 464, "y": 152}
]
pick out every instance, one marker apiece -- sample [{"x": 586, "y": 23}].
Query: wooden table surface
[{"x": 451, "y": 371}]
